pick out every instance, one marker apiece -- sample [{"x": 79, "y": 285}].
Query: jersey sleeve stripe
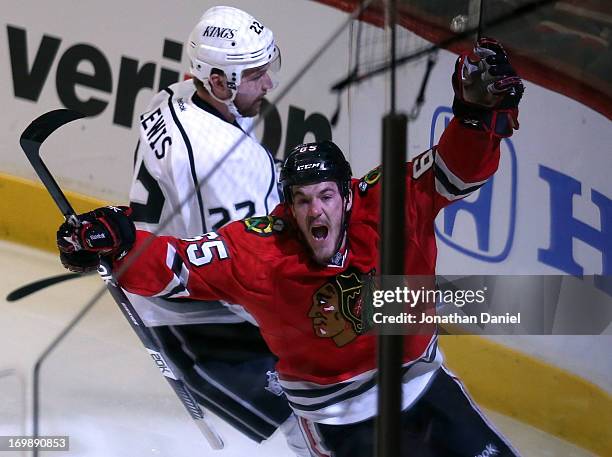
[
  {"x": 450, "y": 185},
  {"x": 177, "y": 287},
  {"x": 179, "y": 268},
  {"x": 177, "y": 292},
  {"x": 174, "y": 282},
  {"x": 451, "y": 177}
]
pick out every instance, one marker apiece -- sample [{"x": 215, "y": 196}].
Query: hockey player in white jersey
[
  {"x": 190, "y": 127},
  {"x": 198, "y": 168}
]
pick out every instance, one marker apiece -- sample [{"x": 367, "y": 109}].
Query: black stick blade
[
  {"x": 31, "y": 140},
  {"x": 35, "y": 286},
  {"x": 44, "y": 125}
]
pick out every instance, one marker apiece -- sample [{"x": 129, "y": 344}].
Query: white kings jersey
[
  {"x": 187, "y": 182},
  {"x": 184, "y": 165}
]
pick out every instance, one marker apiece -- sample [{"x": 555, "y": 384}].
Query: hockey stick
[
  {"x": 35, "y": 286},
  {"x": 31, "y": 140}
]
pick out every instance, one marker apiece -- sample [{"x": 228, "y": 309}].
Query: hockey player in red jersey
[{"x": 301, "y": 273}]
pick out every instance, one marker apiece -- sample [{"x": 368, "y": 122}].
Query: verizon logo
[
  {"x": 107, "y": 85},
  {"x": 30, "y": 73}
]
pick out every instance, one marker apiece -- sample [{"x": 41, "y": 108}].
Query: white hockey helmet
[{"x": 232, "y": 41}]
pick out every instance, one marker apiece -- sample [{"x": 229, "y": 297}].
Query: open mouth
[{"x": 319, "y": 232}]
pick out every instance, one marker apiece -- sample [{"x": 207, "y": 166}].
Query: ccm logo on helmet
[
  {"x": 219, "y": 32},
  {"x": 308, "y": 166}
]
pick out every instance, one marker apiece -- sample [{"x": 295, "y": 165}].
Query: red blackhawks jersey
[{"x": 327, "y": 363}]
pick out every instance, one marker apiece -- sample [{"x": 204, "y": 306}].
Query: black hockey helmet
[{"x": 311, "y": 163}]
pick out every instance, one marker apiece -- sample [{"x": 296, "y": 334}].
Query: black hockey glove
[
  {"x": 487, "y": 89},
  {"x": 106, "y": 231}
]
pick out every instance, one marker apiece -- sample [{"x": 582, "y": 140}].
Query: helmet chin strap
[
  {"x": 343, "y": 235},
  {"x": 229, "y": 102}
]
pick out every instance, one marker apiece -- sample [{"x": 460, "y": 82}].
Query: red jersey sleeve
[
  {"x": 214, "y": 266},
  {"x": 460, "y": 164},
  {"x": 464, "y": 159}
]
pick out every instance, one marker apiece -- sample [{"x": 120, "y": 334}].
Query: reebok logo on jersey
[
  {"x": 219, "y": 32},
  {"x": 489, "y": 451},
  {"x": 97, "y": 237}
]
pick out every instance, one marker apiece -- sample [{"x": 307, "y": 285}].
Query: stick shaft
[{"x": 31, "y": 141}]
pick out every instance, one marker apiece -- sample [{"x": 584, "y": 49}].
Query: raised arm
[{"x": 487, "y": 94}]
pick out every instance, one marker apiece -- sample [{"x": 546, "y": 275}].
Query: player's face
[
  {"x": 318, "y": 210},
  {"x": 254, "y": 85}
]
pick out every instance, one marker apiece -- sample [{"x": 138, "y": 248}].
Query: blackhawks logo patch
[
  {"x": 264, "y": 225},
  {"x": 370, "y": 179},
  {"x": 340, "y": 308}
]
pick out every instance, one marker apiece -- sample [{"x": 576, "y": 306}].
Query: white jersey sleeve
[{"x": 191, "y": 162}]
